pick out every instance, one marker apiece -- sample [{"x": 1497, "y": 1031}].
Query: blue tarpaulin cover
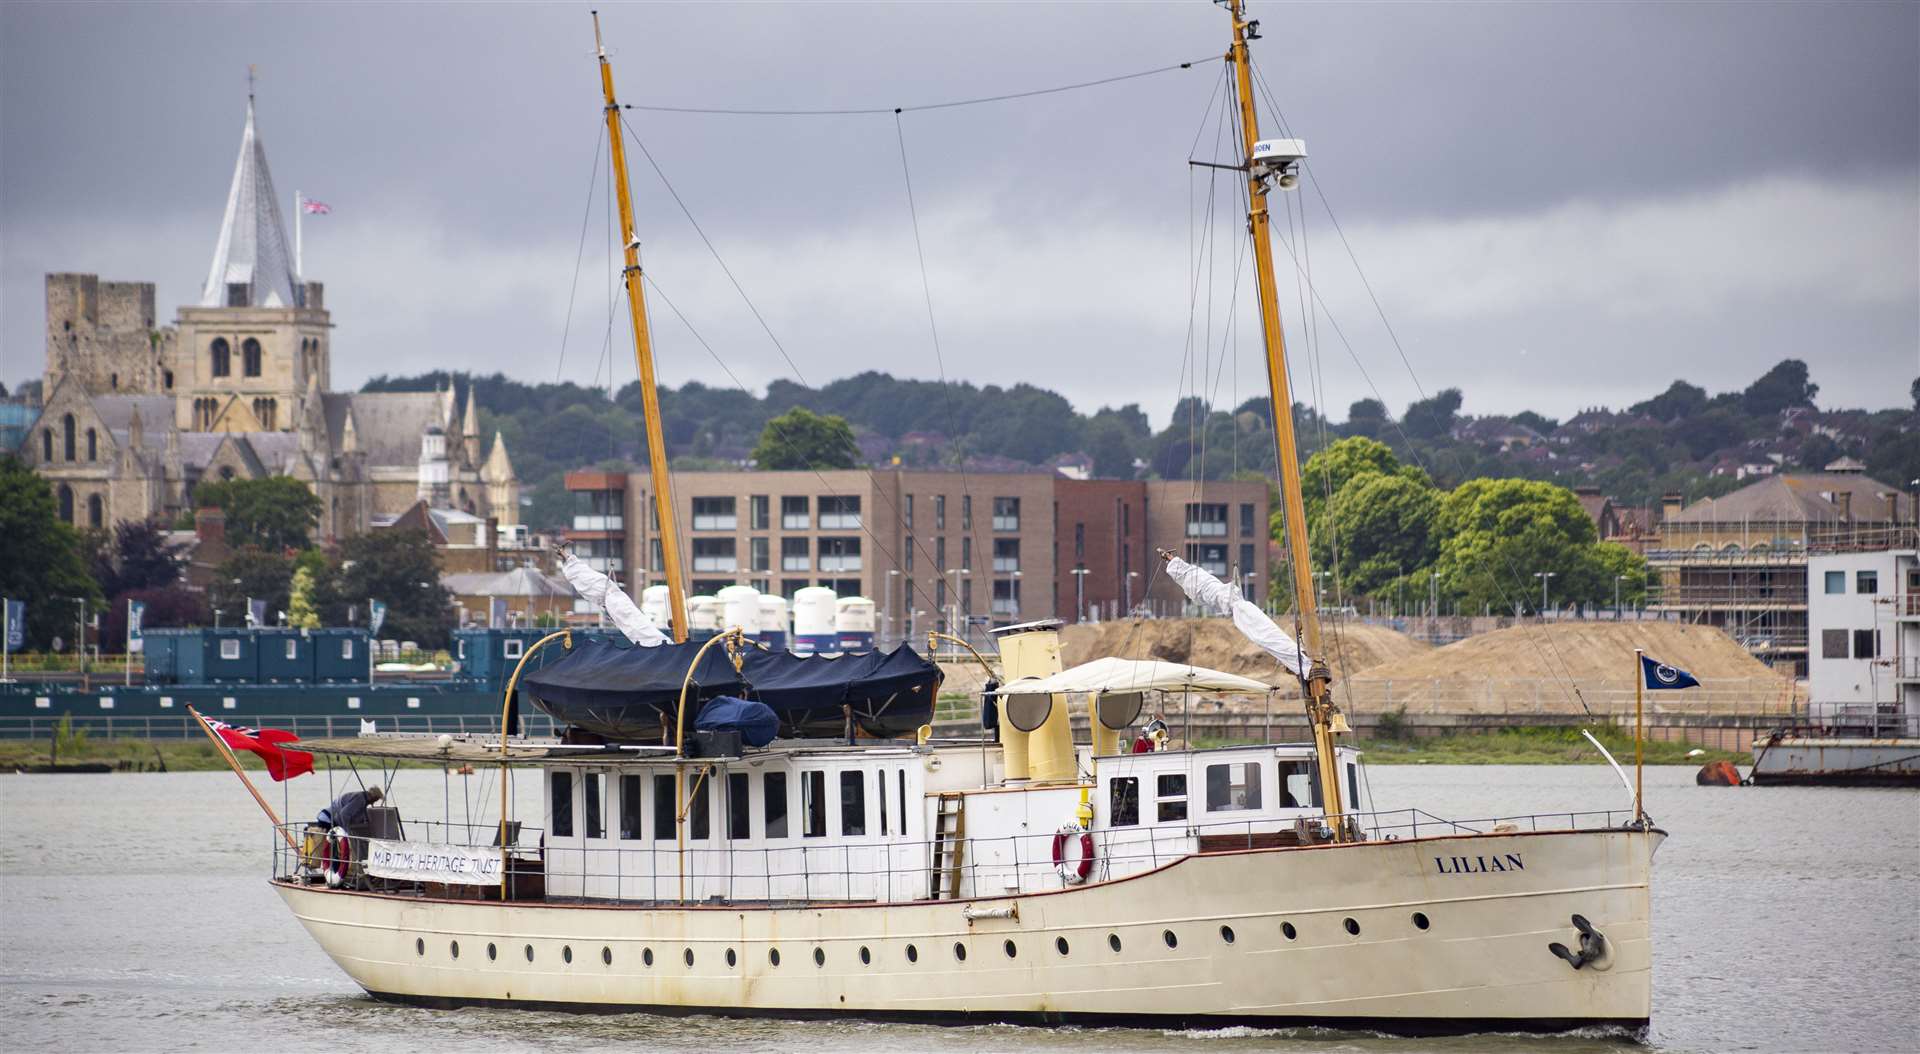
[
  {"x": 627, "y": 693},
  {"x": 756, "y": 722}
]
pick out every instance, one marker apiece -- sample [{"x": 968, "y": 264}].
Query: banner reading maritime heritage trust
[{"x": 426, "y": 862}]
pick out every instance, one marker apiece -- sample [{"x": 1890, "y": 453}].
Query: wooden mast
[
  {"x": 1319, "y": 699},
  {"x": 643, "y": 355}
]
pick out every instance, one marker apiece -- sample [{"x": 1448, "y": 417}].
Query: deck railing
[
  {"x": 884, "y": 870},
  {"x": 306, "y": 726}
]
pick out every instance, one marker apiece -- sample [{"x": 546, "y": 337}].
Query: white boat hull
[{"x": 1493, "y": 904}]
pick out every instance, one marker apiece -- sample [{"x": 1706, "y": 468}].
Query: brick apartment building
[{"x": 931, "y": 549}]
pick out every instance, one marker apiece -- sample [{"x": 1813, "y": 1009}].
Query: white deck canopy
[{"x": 1112, "y": 674}]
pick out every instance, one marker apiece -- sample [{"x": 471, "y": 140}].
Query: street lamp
[
  {"x": 1131, "y": 575},
  {"x": 1080, "y": 594},
  {"x": 1544, "y": 577},
  {"x": 892, "y": 573},
  {"x": 1617, "y": 579},
  {"x": 959, "y": 628}
]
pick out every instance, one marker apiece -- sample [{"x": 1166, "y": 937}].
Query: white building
[{"x": 1863, "y": 610}]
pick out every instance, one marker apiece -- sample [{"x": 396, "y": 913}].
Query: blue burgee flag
[
  {"x": 16, "y": 624},
  {"x": 1659, "y": 675}
]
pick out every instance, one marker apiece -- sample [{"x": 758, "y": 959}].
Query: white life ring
[
  {"x": 335, "y": 854},
  {"x": 1073, "y": 871}
]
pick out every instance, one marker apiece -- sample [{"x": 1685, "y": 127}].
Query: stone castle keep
[{"x": 136, "y": 414}]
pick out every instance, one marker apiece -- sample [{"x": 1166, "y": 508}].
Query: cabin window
[
  {"x": 1866, "y": 644},
  {"x": 813, "y": 804},
  {"x": 1172, "y": 795},
  {"x": 562, "y": 804},
  {"x": 1296, "y": 784},
  {"x": 773, "y": 797},
  {"x": 1353, "y": 786},
  {"x": 591, "y": 786},
  {"x": 903, "y": 801},
  {"x": 880, "y": 786},
  {"x": 1863, "y": 581},
  {"x": 346, "y": 648},
  {"x": 698, "y": 825},
  {"x": 630, "y": 807},
  {"x": 663, "y": 798},
  {"x": 1123, "y": 802},
  {"x": 853, "y": 804},
  {"x": 1836, "y": 582},
  {"x": 1233, "y": 786},
  {"x": 230, "y": 649},
  {"x": 739, "y": 800},
  {"x": 293, "y": 649},
  {"x": 512, "y": 647}
]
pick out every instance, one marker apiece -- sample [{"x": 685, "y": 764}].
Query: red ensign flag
[{"x": 282, "y": 764}]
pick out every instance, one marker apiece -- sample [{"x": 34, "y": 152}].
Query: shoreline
[{"x": 1510, "y": 746}]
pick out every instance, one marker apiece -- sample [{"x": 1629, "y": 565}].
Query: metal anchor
[{"x": 1593, "y": 944}]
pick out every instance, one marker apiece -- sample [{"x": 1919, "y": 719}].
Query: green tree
[
  {"x": 1494, "y": 536},
  {"x": 800, "y": 439},
  {"x": 301, "y": 612},
  {"x": 1111, "y": 448},
  {"x": 1384, "y": 524},
  {"x": 1779, "y": 388},
  {"x": 401, "y": 569},
  {"x": 251, "y": 574},
  {"x": 1329, "y": 470},
  {"x": 275, "y": 513},
  {"x": 137, "y": 556},
  {"x": 40, "y": 557},
  {"x": 1433, "y": 417},
  {"x": 1366, "y": 418},
  {"x": 1679, "y": 400}
]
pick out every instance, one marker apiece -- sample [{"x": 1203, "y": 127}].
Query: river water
[{"x": 135, "y": 915}]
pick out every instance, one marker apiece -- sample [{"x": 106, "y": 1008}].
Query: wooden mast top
[
  {"x": 643, "y": 355},
  {"x": 1320, "y": 707}
]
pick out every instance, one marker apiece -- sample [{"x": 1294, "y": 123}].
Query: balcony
[
  {"x": 1206, "y": 529},
  {"x": 1907, "y": 605},
  {"x": 796, "y": 563},
  {"x": 838, "y": 521},
  {"x": 1006, "y": 564},
  {"x": 1006, "y": 523},
  {"x": 840, "y": 562},
  {"x": 1005, "y": 608},
  {"x": 717, "y": 522},
  {"x": 599, "y": 523},
  {"x": 795, "y": 521}
]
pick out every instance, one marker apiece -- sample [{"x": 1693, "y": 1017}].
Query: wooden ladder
[{"x": 949, "y": 841}]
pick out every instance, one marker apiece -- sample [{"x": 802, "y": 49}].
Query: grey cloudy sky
[{"x": 1559, "y": 205}]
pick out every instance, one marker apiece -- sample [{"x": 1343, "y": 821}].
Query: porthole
[
  {"x": 606, "y": 955},
  {"x": 566, "y": 952},
  {"x": 1226, "y": 934},
  {"x": 1113, "y": 941},
  {"x": 646, "y": 956},
  {"x": 773, "y": 956},
  {"x": 866, "y": 957},
  {"x": 529, "y": 953},
  {"x": 913, "y": 954},
  {"x": 1352, "y": 926},
  {"x": 819, "y": 957},
  {"x": 731, "y": 958},
  {"x": 1420, "y": 921},
  {"x": 419, "y": 946},
  {"x": 688, "y": 957},
  {"x": 453, "y": 949},
  {"x": 1012, "y": 948},
  {"x": 959, "y": 951},
  {"x": 1172, "y": 941},
  {"x": 1287, "y": 931},
  {"x": 1060, "y": 945},
  {"x": 492, "y": 952}
]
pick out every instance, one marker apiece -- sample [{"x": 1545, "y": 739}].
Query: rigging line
[
  {"x": 715, "y": 252},
  {"x": 737, "y": 287},
  {"x": 881, "y": 545},
  {"x": 580, "y": 254},
  {"x": 1570, "y": 689},
  {"x": 1341, "y": 231},
  {"x": 948, "y": 105},
  {"x": 926, "y": 287}
]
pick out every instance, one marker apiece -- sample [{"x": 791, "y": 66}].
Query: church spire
[{"x": 252, "y": 262}]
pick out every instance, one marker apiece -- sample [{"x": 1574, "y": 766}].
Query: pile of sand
[{"x": 1538, "y": 667}]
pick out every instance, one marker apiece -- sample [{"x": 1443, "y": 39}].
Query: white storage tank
[
  {"x": 657, "y": 603},
  {"x": 740, "y": 606},
  {"x": 853, "y": 623},
  {"x": 813, "y": 621},
  {"x": 775, "y": 621},
  {"x": 703, "y": 617}
]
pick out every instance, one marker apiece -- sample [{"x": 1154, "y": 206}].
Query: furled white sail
[
  {"x": 596, "y": 588},
  {"x": 1222, "y": 599}
]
